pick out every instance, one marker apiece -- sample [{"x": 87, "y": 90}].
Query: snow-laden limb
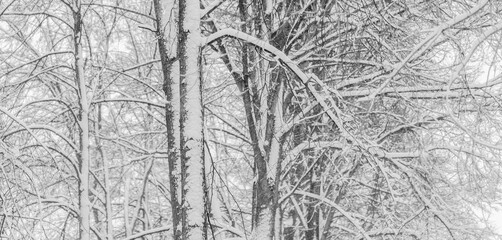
[
  {"x": 20, "y": 122},
  {"x": 134, "y": 100},
  {"x": 425, "y": 92},
  {"x": 7, "y": 7},
  {"x": 425, "y": 44},
  {"x": 492, "y": 30},
  {"x": 227, "y": 228},
  {"x": 302, "y": 215},
  {"x": 471, "y": 135},
  {"x": 140, "y": 65},
  {"x": 45, "y": 128},
  {"x": 287, "y": 126},
  {"x": 67, "y": 105},
  {"x": 126, "y": 74},
  {"x": 119, "y": 8},
  {"x": 33, "y": 13},
  {"x": 339, "y": 209},
  {"x": 306, "y": 79},
  {"x": 143, "y": 191},
  {"x": 211, "y": 7},
  {"x": 238, "y": 132},
  {"x": 60, "y": 202},
  {"x": 497, "y": 80},
  {"x": 147, "y": 232},
  {"x": 8, "y": 71},
  {"x": 292, "y": 191}
]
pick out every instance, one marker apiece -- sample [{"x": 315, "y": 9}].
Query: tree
[
  {"x": 189, "y": 210},
  {"x": 380, "y": 128},
  {"x": 51, "y": 111},
  {"x": 167, "y": 36},
  {"x": 193, "y": 200}
]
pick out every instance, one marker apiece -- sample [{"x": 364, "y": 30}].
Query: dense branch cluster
[{"x": 268, "y": 119}]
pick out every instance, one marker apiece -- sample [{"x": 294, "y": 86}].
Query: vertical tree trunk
[
  {"x": 260, "y": 186},
  {"x": 108, "y": 198},
  {"x": 312, "y": 212},
  {"x": 127, "y": 223},
  {"x": 274, "y": 159},
  {"x": 269, "y": 170},
  {"x": 83, "y": 115},
  {"x": 194, "y": 224},
  {"x": 106, "y": 174},
  {"x": 167, "y": 41}
]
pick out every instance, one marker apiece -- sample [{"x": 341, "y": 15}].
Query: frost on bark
[
  {"x": 83, "y": 123},
  {"x": 193, "y": 201},
  {"x": 167, "y": 40}
]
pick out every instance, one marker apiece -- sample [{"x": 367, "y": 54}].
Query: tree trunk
[
  {"x": 83, "y": 115},
  {"x": 106, "y": 175},
  {"x": 194, "y": 225},
  {"x": 167, "y": 36}
]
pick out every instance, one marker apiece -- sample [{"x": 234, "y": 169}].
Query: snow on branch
[
  {"x": 232, "y": 33},
  {"x": 22, "y": 124},
  {"x": 309, "y": 80},
  {"x": 147, "y": 232},
  {"x": 210, "y": 8},
  {"x": 338, "y": 208}
]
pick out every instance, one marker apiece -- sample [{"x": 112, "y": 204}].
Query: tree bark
[
  {"x": 167, "y": 36},
  {"x": 194, "y": 225},
  {"x": 83, "y": 118}
]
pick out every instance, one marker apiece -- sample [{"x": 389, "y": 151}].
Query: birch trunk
[
  {"x": 83, "y": 115},
  {"x": 106, "y": 177},
  {"x": 108, "y": 198},
  {"x": 167, "y": 36},
  {"x": 194, "y": 225},
  {"x": 106, "y": 174}
]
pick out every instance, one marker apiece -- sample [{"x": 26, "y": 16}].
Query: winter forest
[{"x": 250, "y": 119}]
